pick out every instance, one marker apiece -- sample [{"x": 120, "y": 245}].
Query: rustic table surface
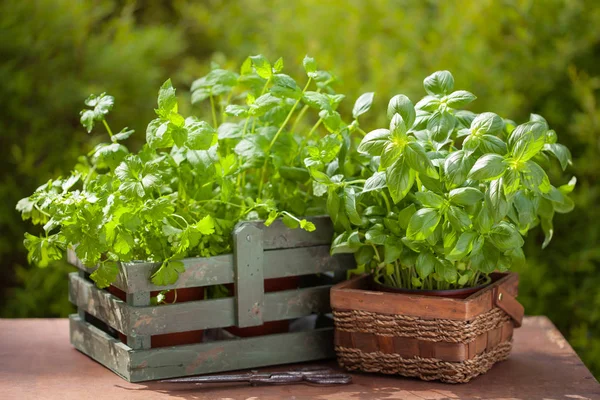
[{"x": 38, "y": 362}]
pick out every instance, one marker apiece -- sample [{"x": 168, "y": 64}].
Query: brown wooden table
[{"x": 38, "y": 362}]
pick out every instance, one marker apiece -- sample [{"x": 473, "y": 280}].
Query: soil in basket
[
  {"x": 170, "y": 339},
  {"x": 271, "y": 327}
]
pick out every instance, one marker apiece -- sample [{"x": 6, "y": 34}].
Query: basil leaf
[
  {"x": 362, "y": 104},
  {"x": 505, "y": 236},
  {"x": 460, "y": 98},
  {"x": 374, "y": 142},
  {"x": 400, "y": 104},
  {"x": 465, "y": 196},
  {"x": 489, "y": 166},
  {"x": 423, "y": 223},
  {"x": 425, "y": 264},
  {"x": 440, "y": 83},
  {"x": 400, "y": 179},
  {"x": 457, "y": 167}
]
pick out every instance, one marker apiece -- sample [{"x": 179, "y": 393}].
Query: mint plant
[
  {"x": 443, "y": 197},
  {"x": 193, "y": 180}
]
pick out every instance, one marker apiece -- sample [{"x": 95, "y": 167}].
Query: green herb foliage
[
  {"x": 444, "y": 196},
  {"x": 183, "y": 192}
]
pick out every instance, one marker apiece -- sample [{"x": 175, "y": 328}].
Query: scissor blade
[{"x": 212, "y": 378}]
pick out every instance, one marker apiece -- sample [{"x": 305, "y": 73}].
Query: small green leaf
[
  {"x": 460, "y": 98},
  {"x": 457, "y": 167},
  {"x": 416, "y": 158},
  {"x": 423, "y": 223},
  {"x": 405, "y": 215},
  {"x": 350, "y": 206},
  {"x": 105, "y": 274},
  {"x": 440, "y": 83},
  {"x": 425, "y": 264},
  {"x": 201, "y": 136},
  {"x": 505, "y": 236},
  {"x": 446, "y": 271},
  {"x": 262, "y": 66},
  {"x": 465, "y": 196},
  {"x": 392, "y": 249},
  {"x": 429, "y": 199},
  {"x": 374, "y": 142},
  {"x": 560, "y": 152},
  {"x": 487, "y": 123},
  {"x": 458, "y": 218},
  {"x": 362, "y": 104},
  {"x": 168, "y": 273},
  {"x": 489, "y": 166},
  {"x": 310, "y": 66},
  {"x": 400, "y": 179},
  {"x": 376, "y": 182},
  {"x": 167, "y": 101},
  {"x": 400, "y": 104},
  {"x": 463, "y": 247}
]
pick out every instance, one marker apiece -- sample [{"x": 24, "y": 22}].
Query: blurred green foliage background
[{"x": 517, "y": 56}]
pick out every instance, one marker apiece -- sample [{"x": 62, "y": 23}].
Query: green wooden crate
[{"x": 259, "y": 253}]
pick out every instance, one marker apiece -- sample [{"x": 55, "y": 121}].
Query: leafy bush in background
[
  {"x": 518, "y": 56},
  {"x": 54, "y": 54}
]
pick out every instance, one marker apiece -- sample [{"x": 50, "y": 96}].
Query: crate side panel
[
  {"x": 100, "y": 304},
  {"x": 182, "y": 317},
  {"x": 305, "y": 261},
  {"x": 232, "y": 355},
  {"x": 279, "y": 236},
  {"x": 98, "y": 345},
  {"x": 219, "y": 313}
]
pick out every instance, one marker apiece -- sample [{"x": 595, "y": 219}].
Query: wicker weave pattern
[
  {"x": 423, "y": 368},
  {"x": 435, "y": 330}
]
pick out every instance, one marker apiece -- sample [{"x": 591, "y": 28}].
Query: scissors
[{"x": 316, "y": 375}]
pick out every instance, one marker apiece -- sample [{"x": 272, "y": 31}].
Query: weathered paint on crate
[{"x": 259, "y": 253}]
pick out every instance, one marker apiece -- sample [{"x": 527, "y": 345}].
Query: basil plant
[{"x": 444, "y": 196}]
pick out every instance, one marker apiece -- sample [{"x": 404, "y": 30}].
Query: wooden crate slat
[
  {"x": 100, "y": 346},
  {"x": 305, "y": 261},
  {"x": 199, "y": 271},
  {"x": 139, "y": 299},
  {"x": 291, "y": 304},
  {"x": 219, "y": 269},
  {"x": 98, "y": 303},
  {"x": 231, "y": 355},
  {"x": 249, "y": 278}
]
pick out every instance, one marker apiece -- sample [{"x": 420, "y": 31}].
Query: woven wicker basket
[{"x": 432, "y": 338}]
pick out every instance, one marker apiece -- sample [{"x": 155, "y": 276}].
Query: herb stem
[
  {"x": 361, "y": 131},
  {"x": 223, "y": 114},
  {"x": 180, "y": 217},
  {"x": 107, "y": 127},
  {"x": 356, "y": 181},
  {"x": 387, "y": 201},
  {"x": 287, "y": 119},
  {"x": 214, "y": 111}
]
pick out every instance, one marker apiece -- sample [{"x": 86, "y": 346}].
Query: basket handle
[{"x": 510, "y": 305}]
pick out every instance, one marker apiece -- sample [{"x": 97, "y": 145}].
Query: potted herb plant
[
  {"x": 440, "y": 206},
  {"x": 181, "y": 195}
]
